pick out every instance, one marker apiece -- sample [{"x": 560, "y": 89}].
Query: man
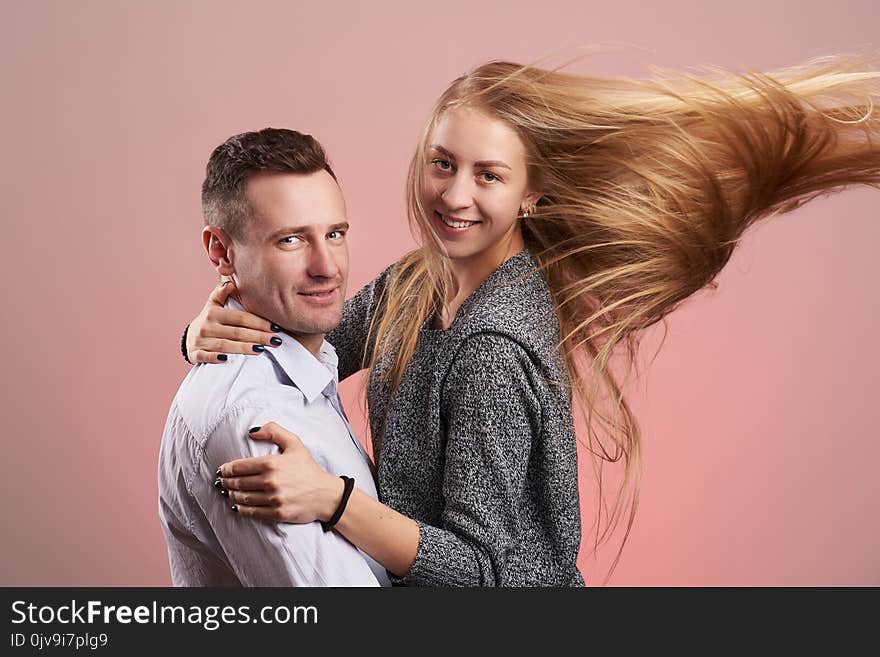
[{"x": 276, "y": 227}]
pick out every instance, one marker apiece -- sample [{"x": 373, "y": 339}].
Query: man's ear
[{"x": 219, "y": 247}]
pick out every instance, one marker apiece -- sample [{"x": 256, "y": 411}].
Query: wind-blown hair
[{"x": 647, "y": 185}]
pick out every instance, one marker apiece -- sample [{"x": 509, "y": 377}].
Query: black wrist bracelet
[
  {"x": 183, "y": 346},
  {"x": 346, "y": 493}
]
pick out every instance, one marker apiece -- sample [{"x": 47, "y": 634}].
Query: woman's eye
[
  {"x": 489, "y": 177},
  {"x": 443, "y": 165}
]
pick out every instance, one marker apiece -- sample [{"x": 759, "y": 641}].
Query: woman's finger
[
  {"x": 251, "y": 483},
  {"x": 197, "y": 356},
  {"x": 221, "y": 293},
  {"x": 258, "y": 512},
  {"x": 250, "y": 498},
  {"x": 249, "y": 466},
  {"x": 232, "y": 317},
  {"x": 282, "y": 437},
  {"x": 236, "y": 335},
  {"x": 217, "y": 345}
]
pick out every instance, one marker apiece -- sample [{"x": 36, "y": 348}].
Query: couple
[
  {"x": 559, "y": 216},
  {"x": 277, "y": 228}
]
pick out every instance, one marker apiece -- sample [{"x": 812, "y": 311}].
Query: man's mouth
[{"x": 319, "y": 295}]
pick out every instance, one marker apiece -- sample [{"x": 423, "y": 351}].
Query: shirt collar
[{"x": 309, "y": 374}]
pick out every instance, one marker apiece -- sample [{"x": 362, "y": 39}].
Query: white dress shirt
[{"x": 209, "y": 544}]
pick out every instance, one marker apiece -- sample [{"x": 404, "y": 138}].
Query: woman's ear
[
  {"x": 530, "y": 202},
  {"x": 219, "y": 248}
]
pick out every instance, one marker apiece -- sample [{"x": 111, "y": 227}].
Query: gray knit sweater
[{"x": 477, "y": 442}]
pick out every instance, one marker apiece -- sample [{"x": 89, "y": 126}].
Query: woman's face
[{"x": 475, "y": 185}]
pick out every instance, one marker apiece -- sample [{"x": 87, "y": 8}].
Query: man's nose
[
  {"x": 322, "y": 261},
  {"x": 459, "y": 191}
]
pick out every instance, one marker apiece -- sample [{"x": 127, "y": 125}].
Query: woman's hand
[
  {"x": 288, "y": 487},
  {"x": 218, "y": 331}
]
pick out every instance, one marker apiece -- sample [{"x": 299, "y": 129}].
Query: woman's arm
[
  {"x": 292, "y": 487},
  {"x": 493, "y": 416},
  {"x": 218, "y": 331},
  {"x": 389, "y": 537}
]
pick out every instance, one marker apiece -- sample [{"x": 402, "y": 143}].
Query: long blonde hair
[{"x": 647, "y": 186}]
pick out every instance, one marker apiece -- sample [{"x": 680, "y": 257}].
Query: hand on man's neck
[{"x": 311, "y": 341}]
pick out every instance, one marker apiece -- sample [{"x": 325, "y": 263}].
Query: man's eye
[
  {"x": 336, "y": 234},
  {"x": 292, "y": 239}
]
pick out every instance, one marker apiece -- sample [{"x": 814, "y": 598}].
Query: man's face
[{"x": 292, "y": 267}]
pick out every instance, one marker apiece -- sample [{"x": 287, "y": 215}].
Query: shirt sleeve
[
  {"x": 351, "y": 338},
  {"x": 493, "y": 416},
  {"x": 263, "y": 553}
]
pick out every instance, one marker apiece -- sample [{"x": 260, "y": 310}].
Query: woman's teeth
[{"x": 452, "y": 223}]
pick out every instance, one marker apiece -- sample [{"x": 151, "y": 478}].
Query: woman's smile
[{"x": 454, "y": 225}]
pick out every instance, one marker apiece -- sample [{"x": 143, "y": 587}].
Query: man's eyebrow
[
  {"x": 289, "y": 230},
  {"x": 481, "y": 163},
  {"x": 299, "y": 230}
]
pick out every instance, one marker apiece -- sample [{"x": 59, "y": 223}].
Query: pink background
[{"x": 760, "y": 414}]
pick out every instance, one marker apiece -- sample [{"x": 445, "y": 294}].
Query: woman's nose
[{"x": 459, "y": 192}]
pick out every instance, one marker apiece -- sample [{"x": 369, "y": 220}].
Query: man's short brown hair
[{"x": 233, "y": 162}]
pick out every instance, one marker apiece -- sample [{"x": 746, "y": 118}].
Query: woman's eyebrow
[
  {"x": 481, "y": 163},
  {"x": 443, "y": 151},
  {"x": 492, "y": 163}
]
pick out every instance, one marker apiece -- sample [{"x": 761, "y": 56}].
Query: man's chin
[{"x": 313, "y": 325}]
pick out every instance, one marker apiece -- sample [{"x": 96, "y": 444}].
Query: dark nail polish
[
  {"x": 222, "y": 356},
  {"x": 218, "y": 473},
  {"x": 258, "y": 348},
  {"x": 253, "y": 429},
  {"x": 224, "y": 492},
  {"x": 217, "y": 484},
  {"x": 275, "y": 328},
  {"x": 234, "y": 508},
  {"x": 275, "y": 341}
]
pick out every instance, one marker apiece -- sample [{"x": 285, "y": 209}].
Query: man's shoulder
[
  {"x": 211, "y": 392},
  {"x": 210, "y": 415}
]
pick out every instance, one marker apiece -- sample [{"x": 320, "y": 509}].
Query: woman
[{"x": 559, "y": 216}]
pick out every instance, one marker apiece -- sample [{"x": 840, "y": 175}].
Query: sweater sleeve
[
  {"x": 351, "y": 337},
  {"x": 492, "y": 418}
]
